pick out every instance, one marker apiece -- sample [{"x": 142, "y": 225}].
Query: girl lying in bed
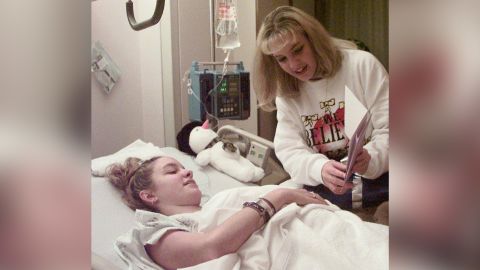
[{"x": 245, "y": 228}]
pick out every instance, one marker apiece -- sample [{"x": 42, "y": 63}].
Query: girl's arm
[{"x": 179, "y": 249}]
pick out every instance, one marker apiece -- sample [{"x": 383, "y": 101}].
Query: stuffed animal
[{"x": 222, "y": 155}]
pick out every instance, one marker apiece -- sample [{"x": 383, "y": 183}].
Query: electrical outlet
[{"x": 258, "y": 154}]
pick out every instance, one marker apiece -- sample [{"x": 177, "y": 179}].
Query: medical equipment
[
  {"x": 226, "y": 31},
  {"x": 105, "y": 70},
  {"x": 223, "y": 94},
  {"x": 258, "y": 154},
  {"x": 263, "y": 155},
  {"x": 157, "y": 15}
]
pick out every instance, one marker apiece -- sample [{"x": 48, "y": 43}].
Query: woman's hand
[
  {"x": 361, "y": 164},
  {"x": 283, "y": 196},
  {"x": 333, "y": 175}
]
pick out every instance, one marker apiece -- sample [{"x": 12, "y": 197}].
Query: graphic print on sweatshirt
[{"x": 325, "y": 132}]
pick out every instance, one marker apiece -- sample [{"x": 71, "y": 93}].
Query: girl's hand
[
  {"x": 303, "y": 197},
  {"x": 283, "y": 196},
  {"x": 361, "y": 164},
  {"x": 333, "y": 175}
]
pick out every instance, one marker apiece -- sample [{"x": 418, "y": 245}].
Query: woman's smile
[{"x": 301, "y": 70}]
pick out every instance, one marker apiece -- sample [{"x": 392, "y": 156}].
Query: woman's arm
[
  {"x": 299, "y": 160},
  {"x": 178, "y": 249},
  {"x": 376, "y": 90}
]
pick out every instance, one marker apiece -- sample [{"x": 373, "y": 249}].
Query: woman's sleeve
[
  {"x": 376, "y": 91},
  {"x": 298, "y": 159}
]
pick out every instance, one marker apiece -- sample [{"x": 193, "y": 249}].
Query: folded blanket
[{"x": 309, "y": 237}]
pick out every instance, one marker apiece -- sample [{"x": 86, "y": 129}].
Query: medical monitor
[{"x": 225, "y": 95}]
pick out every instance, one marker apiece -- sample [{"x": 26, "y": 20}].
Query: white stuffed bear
[{"x": 223, "y": 156}]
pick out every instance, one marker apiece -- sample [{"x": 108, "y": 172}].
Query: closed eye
[
  {"x": 281, "y": 59},
  {"x": 170, "y": 169},
  {"x": 298, "y": 49}
]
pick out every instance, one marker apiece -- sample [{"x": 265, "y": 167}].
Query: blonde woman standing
[{"x": 302, "y": 71}]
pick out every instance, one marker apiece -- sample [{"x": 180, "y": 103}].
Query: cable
[{"x": 186, "y": 79}]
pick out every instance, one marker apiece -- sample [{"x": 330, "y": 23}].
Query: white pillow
[
  {"x": 138, "y": 149},
  {"x": 110, "y": 218}
]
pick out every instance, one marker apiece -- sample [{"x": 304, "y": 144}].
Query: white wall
[
  {"x": 153, "y": 74},
  {"x": 189, "y": 40},
  {"x": 194, "y": 43},
  {"x": 134, "y": 108}
]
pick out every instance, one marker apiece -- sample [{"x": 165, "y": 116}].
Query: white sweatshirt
[{"x": 310, "y": 126}]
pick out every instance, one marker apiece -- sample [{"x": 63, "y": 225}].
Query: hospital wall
[{"x": 133, "y": 109}]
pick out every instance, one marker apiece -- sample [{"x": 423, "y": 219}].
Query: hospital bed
[{"x": 111, "y": 217}]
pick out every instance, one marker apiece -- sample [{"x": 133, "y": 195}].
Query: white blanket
[{"x": 309, "y": 237}]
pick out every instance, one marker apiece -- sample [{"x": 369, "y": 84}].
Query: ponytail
[{"x": 130, "y": 178}]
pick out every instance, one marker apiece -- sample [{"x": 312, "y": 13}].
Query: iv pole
[
  {"x": 213, "y": 121},
  {"x": 157, "y": 15},
  {"x": 212, "y": 31}
]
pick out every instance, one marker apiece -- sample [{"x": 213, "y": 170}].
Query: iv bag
[{"x": 226, "y": 31}]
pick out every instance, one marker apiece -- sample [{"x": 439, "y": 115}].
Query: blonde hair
[
  {"x": 269, "y": 80},
  {"x": 131, "y": 177}
]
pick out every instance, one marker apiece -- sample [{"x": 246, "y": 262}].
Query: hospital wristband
[
  {"x": 266, "y": 206},
  {"x": 261, "y": 210},
  {"x": 271, "y": 205}
]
